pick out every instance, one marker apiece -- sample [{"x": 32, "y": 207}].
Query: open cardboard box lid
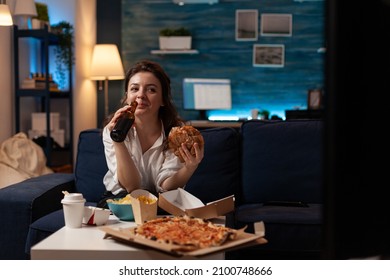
[{"x": 180, "y": 202}]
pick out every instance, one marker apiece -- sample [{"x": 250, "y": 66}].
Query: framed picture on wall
[
  {"x": 246, "y": 25},
  {"x": 268, "y": 55},
  {"x": 276, "y": 25},
  {"x": 314, "y": 99}
]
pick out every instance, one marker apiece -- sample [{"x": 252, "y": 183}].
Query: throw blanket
[{"x": 21, "y": 159}]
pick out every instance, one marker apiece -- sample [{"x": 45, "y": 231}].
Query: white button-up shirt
[{"x": 154, "y": 166}]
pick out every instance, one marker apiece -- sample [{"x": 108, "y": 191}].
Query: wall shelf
[{"x": 174, "y": 52}]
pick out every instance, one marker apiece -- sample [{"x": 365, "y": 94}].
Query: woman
[{"x": 143, "y": 160}]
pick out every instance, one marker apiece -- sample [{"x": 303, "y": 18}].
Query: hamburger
[{"x": 188, "y": 135}]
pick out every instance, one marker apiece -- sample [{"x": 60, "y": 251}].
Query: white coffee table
[{"x": 88, "y": 243}]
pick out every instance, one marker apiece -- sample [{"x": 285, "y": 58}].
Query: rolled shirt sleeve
[{"x": 170, "y": 166}]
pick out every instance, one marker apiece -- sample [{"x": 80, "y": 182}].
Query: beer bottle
[{"x": 124, "y": 123}]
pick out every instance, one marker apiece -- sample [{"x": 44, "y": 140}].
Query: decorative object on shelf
[
  {"x": 39, "y": 82},
  {"x": 106, "y": 65},
  {"x": 264, "y": 114},
  {"x": 276, "y": 25},
  {"x": 247, "y": 25},
  {"x": 268, "y": 55},
  {"x": 314, "y": 99},
  {"x": 28, "y": 84},
  {"x": 25, "y": 9},
  {"x": 254, "y": 114},
  {"x": 175, "y": 39},
  {"x": 5, "y": 15},
  {"x": 259, "y": 114},
  {"x": 174, "y": 52},
  {"x": 63, "y": 50},
  {"x": 42, "y": 17},
  {"x": 182, "y": 2}
]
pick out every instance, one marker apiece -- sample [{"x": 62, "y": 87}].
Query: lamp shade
[
  {"x": 106, "y": 63},
  {"x": 5, "y": 15},
  {"x": 25, "y": 8}
]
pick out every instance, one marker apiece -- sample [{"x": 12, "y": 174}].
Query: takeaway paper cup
[{"x": 73, "y": 205}]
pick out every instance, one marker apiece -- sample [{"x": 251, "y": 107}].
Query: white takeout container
[
  {"x": 95, "y": 216},
  {"x": 180, "y": 202}
]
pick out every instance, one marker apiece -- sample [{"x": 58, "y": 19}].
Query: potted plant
[
  {"x": 42, "y": 17},
  {"x": 175, "y": 39},
  {"x": 64, "y": 50},
  {"x": 264, "y": 114}
]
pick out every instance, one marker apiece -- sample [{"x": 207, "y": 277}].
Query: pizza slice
[{"x": 189, "y": 232}]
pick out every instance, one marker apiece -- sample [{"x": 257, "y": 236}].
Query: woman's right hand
[{"x": 116, "y": 116}]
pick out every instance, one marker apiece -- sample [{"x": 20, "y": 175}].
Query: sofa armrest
[
  {"x": 42, "y": 194},
  {"x": 25, "y": 202}
]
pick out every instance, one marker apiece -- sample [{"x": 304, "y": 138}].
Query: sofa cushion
[
  {"x": 282, "y": 160},
  {"x": 91, "y": 165},
  {"x": 290, "y": 231},
  {"x": 43, "y": 227},
  {"x": 218, "y": 175}
]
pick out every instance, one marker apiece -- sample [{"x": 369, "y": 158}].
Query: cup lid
[{"x": 73, "y": 198}]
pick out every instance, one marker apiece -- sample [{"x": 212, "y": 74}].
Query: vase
[{"x": 175, "y": 42}]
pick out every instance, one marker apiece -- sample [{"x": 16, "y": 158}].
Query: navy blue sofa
[{"x": 264, "y": 162}]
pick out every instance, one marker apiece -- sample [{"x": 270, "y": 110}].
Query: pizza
[{"x": 189, "y": 232}]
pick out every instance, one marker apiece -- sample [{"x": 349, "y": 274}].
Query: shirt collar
[{"x": 160, "y": 140}]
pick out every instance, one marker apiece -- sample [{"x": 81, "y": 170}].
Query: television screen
[{"x": 206, "y": 94}]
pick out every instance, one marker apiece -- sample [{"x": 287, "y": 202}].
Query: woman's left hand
[{"x": 189, "y": 159}]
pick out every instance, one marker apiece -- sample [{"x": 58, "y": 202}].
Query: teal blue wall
[{"x": 221, "y": 56}]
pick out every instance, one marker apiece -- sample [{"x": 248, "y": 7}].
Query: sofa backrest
[
  {"x": 282, "y": 161},
  {"x": 218, "y": 175},
  {"x": 91, "y": 165}
]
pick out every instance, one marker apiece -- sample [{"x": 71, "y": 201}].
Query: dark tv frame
[{"x": 357, "y": 208}]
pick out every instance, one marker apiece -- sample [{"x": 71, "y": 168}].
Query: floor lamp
[{"x": 106, "y": 65}]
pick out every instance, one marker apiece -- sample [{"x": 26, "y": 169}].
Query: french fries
[
  {"x": 127, "y": 200},
  {"x": 147, "y": 200},
  {"x": 124, "y": 200}
]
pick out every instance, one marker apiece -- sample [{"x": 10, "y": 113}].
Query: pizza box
[
  {"x": 143, "y": 211},
  {"x": 180, "y": 202},
  {"x": 127, "y": 236}
]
